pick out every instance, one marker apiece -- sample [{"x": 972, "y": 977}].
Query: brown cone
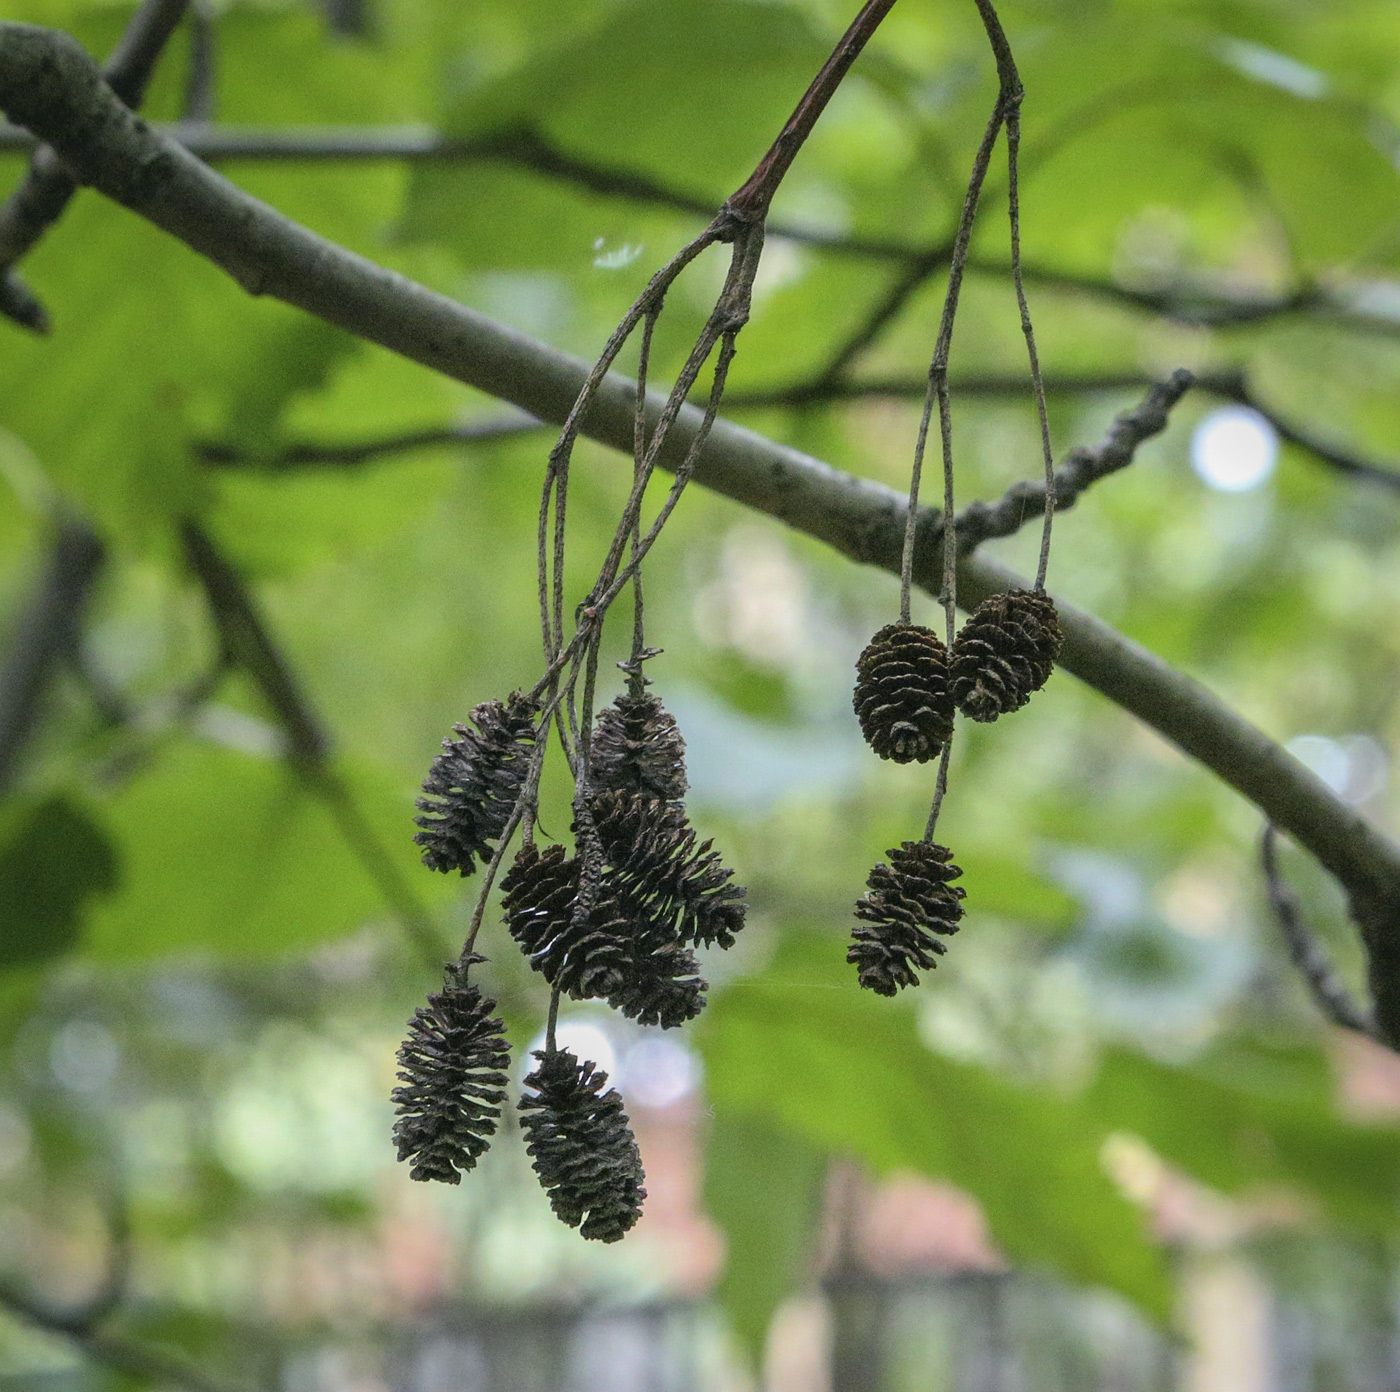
[
  {"x": 906, "y": 903},
  {"x": 1004, "y": 653},
  {"x": 901, "y": 697}
]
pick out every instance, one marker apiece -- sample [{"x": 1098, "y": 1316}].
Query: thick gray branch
[{"x": 48, "y": 84}]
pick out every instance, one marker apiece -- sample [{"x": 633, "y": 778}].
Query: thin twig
[
  {"x": 938, "y": 375},
  {"x": 201, "y": 86},
  {"x": 1083, "y": 467},
  {"x": 1309, "y": 955},
  {"x": 351, "y": 454},
  {"x": 47, "y": 187},
  {"x": 1013, "y": 195}
]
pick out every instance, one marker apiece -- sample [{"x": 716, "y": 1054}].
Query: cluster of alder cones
[
  {"x": 616, "y": 920},
  {"x": 909, "y": 687}
]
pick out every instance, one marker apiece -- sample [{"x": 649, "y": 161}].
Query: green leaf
[
  {"x": 769, "y": 1230},
  {"x": 234, "y": 854},
  {"x": 849, "y": 1072},
  {"x": 53, "y": 864},
  {"x": 1247, "y": 1117},
  {"x": 689, "y": 91}
]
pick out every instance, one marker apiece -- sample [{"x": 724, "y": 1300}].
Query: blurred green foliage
[{"x": 175, "y": 893}]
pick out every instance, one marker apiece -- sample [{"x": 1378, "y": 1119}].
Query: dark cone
[
  {"x": 637, "y": 748},
  {"x": 473, "y": 784},
  {"x": 901, "y": 696},
  {"x": 624, "y": 950},
  {"x": 1004, "y": 652},
  {"x": 905, "y": 904},
  {"x": 585, "y": 959},
  {"x": 651, "y": 850},
  {"x": 452, "y": 1069},
  {"x": 582, "y": 1146}
]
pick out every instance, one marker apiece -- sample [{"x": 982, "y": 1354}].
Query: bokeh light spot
[{"x": 1234, "y": 449}]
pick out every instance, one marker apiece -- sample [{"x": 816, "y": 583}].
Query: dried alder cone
[
  {"x": 651, "y": 850},
  {"x": 657, "y": 895},
  {"x": 907, "y": 904},
  {"x": 582, "y": 1146},
  {"x": 901, "y": 698},
  {"x": 452, "y": 1068},
  {"x": 637, "y": 748},
  {"x": 472, "y": 786},
  {"x": 1004, "y": 653}
]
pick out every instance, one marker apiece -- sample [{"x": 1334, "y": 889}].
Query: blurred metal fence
[{"x": 963, "y": 1333}]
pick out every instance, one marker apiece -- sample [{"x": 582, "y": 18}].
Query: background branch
[
  {"x": 49, "y": 83},
  {"x": 527, "y": 149},
  {"x": 246, "y": 641},
  {"x": 46, "y": 634},
  {"x": 1310, "y": 957},
  {"x": 111, "y": 1350},
  {"x": 44, "y": 192},
  {"x": 353, "y": 453},
  {"x": 1229, "y": 384}
]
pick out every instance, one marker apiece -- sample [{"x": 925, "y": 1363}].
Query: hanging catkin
[
  {"x": 452, "y": 1067},
  {"x": 472, "y": 786},
  {"x": 908, "y": 905},
  {"x": 1004, "y": 653},
  {"x": 582, "y": 1146},
  {"x": 901, "y": 696}
]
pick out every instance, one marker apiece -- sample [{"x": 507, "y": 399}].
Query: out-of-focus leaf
[
  {"x": 53, "y": 863},
  {"x": 234, "y": 854},
  {"x": 769, "y": 1230},
  {"x": 804, "y": 1044},
  {"x": 1247, "y": 1117},
  {"x": 689, "y": 91}
]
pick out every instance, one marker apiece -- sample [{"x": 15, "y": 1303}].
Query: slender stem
[
  {"x": 1013, "y": 145},
  {"x": 639, "y": 452},
  {"x": 940, "y": 789},
  {"x": 549, "y": 1044},
  {"x": 751, "y": 200},
  {"x": 938, "y": 370},
  {"x": 950, "y": 534}
]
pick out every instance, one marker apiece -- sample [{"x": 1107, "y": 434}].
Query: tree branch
[
  {"x": 1310, "y": 957},
  {"x": 114, "y": 1351},
  {"x": 1228, "y": 384},
  {"x": 245, "y": 640},
  {"x": 979, "y": 522},
  {"x": 44, "y": 192},
  {"x": 47, "y": 633},
  {"x": 353, "y": 453},
  {"x": 48, "y": 83}
]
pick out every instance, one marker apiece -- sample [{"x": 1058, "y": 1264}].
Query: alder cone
[
  {"x": 582, "y": 1147},
  {"x": 652, "y": 850},
  {"x": 453, "y": 1072},
  {"x": 907, "y": 905},
  {"x": 584, "y": 957},
  {"x": 624, "y": 950},
  {"x": 638, "y": 748},
  {"x": 1004, "y": 653},
  {"x": 901, "y": 698},
  {"x": 472, "y": 786}
]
